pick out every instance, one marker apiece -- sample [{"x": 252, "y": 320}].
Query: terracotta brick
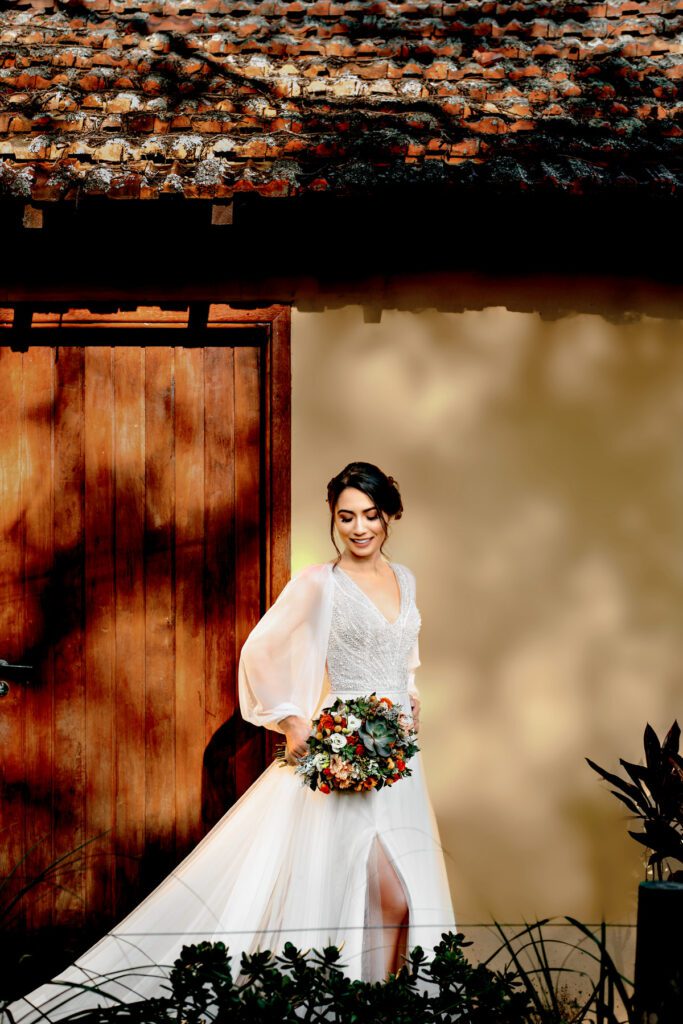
[
  {"x": 18, "y": 123},
  {"x": 468, "y": 147},
  {"x": 523, "y": 125},
  {"x": 519, "y": 107},
  {"x": 530, "y": 71},
  {"x": 487, "y": 125},
  {"x": 457, "y": 109},
  {"x": 273, "y": 80}
]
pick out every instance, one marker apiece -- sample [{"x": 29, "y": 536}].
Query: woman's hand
[
  {"x": 297, "y": 730},
  {"x": 415, "y": 708}
]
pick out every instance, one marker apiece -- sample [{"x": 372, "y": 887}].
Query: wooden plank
[
  {"x": 279, "y": 449},
  {"x": 67, "y": 610},
  {"x": 160, "y": 620},
  {"x": 220, "y": 313},
  {"x": 39, "y": 598},
  {"x": 219, "y": 499},
  {"x": 189, "y": 440},
  {"x": 129, "y": 469},
  {"x": 11, "y": 612},
  {"x": 100, "y": 630},
  {"x": 219, "y": 583},
  {"x": 278, "y": 445},
  {"x": 248, "y": 607}
]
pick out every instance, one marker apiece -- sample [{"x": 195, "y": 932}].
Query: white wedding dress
[{"x": 286, "y": 862}]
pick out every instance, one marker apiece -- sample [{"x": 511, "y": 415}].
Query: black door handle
[{"x": 13, "y": 673}]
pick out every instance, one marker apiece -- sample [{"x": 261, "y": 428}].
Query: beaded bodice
[{"x": 366, "y": 651}]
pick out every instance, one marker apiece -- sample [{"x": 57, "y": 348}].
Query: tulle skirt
[{"x": 285, "y": 863}]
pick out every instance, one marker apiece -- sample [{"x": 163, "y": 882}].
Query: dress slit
[
  {"x": 374, "y": 932},
  {"x": 287, "y": 863}
]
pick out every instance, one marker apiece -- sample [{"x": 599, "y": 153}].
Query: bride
[{"x": 364, "y": 871}]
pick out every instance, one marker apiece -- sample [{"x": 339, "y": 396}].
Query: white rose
[
  {"x": 337, "y": 741},
  {"x": 354, "y": 723}
]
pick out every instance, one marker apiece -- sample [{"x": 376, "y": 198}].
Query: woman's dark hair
[{"x": 380, "y": 488}]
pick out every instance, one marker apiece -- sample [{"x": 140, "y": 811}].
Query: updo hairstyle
[{"x": 380, "y": 488}]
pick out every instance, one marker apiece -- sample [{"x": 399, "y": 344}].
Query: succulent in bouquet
[{"x": 357, "y": 745}]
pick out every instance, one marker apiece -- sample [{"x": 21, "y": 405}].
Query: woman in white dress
[{"x": 362, "y": 870}]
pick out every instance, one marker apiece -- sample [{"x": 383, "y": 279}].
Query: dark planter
[{"x": 658, "y": 993}]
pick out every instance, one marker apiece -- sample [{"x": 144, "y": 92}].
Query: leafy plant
[
  {"x": 17, "y": 953},
  {"x": 552, "y": 1000},
  {"x": 312, "y": 986},
  {"x": 14, "y": 888},
  {"x": 655, "y": 796}
]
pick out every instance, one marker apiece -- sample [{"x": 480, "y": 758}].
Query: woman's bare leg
[{"x": 394, "y": 913}]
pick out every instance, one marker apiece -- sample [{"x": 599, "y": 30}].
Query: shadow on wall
[{"x": 540, "y": 465}]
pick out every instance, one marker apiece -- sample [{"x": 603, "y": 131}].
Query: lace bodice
[{"x": 366, "y": 651}]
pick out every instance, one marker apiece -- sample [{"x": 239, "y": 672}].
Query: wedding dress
[{"x": 286, "y": 862}]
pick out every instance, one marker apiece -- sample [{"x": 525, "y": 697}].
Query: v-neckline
[{"x": 389, "y": 622}]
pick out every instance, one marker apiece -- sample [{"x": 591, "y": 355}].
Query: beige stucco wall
[{"x": 541, "y": 466}]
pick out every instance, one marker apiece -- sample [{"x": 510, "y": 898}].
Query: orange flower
[{"x": 386, "y": 701}]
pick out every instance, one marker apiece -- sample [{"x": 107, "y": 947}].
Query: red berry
[
  {"x": 323, "y": 787},
  {"x": 327, "y": 771},
  {"x": 360, "y": 749}
]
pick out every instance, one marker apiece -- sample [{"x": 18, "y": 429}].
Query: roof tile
[{"x": 137, "y": 98}]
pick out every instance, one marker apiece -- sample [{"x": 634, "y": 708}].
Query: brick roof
[{"x": 204, "y": 98}]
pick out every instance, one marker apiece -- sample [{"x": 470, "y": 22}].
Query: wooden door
[{"x": 144, "y": 525}]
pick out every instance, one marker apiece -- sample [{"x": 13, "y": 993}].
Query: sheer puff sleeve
[{"x": 282, "y": 662}]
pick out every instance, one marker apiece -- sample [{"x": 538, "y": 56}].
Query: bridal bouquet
[{"x": 357, "y": 745}]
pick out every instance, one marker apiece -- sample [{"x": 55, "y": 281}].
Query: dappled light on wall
[{"x": 540, "y": 467}]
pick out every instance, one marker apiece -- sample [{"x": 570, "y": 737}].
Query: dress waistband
[{"x": 355, "y": 694}]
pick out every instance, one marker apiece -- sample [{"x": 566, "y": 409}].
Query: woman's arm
[
  {"x": 282, "y": 662},
  {"x": 297, "y": 730},
  {"x": 413, "y": 664},
  {"x": 413, "y": 691}
]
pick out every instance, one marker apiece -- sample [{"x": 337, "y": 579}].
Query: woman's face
[{"x": 358, "y": 523}]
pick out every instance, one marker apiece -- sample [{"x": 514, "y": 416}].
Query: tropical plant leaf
[
  {"x": 668, "y": 843},
  {"x": 629, "y": 803},
  {"x": 640, "y": 837},
  {"x": 653, "y": 750},
  {"x": 633, "y": 791},
  {"x": 672, "y": 739},
  {"x": 638, "y": 772}
]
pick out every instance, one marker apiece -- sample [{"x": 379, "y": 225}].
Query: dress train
[{"x": 285, "y": 863}]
